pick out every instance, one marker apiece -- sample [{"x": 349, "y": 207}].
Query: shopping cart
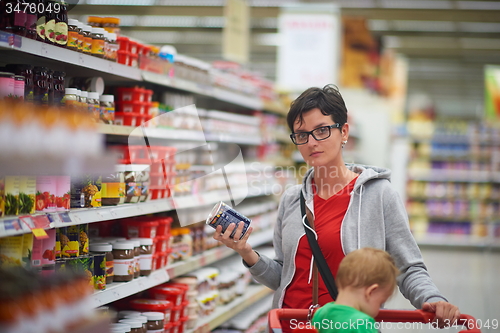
[{"x": 466, "y": 322}]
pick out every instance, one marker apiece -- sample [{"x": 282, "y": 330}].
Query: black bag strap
[{"x": 319, "y": 258}]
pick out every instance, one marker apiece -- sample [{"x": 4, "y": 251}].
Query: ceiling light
[
  {"x": 357, "y": 4},
  {"x": 122, "y": 2}
]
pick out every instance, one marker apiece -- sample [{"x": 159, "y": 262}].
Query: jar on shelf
[
  {"x": 123, "y": 254},
  {"x": 155, "y": 321},
  {"x": 98, "y": 42},
  {"x": 107, "y": 113},
  {"x": 61, "y": 25},
  {"x": 87, "y": 39},
  {"x": 73, "y": 35},
  {"x": 113, "y": 187},
  {"x": 145, "y": 255},
  {"x": 41, "y": 85},
  {"x": 107, "y": 250},
  {"x": 7, "y": 84},
  {"x": 27, "y": 72}
]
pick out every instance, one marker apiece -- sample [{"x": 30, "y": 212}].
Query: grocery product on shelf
[{"x": 453, "y": 187}]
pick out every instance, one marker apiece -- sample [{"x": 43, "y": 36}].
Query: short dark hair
[{"x": 328, "y": 100}]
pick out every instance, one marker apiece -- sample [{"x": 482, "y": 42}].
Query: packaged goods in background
[
  {"x": 27, "y": 194},
  {"x": 104, "y": 249},
  {"x": 124, "y": 264},
  {"x": 11, "y": 251},
  {"x": 223, "y": 215},
  {"x": 63, "y": 192},
  {"x": 85, "y": 192},
  {"x": 27, "y": 249},
  {"x": 6, "y": 85},
  {"x": 43, "y": 255},
  {"x": 82, "y": 264},
  {"x": 70, "y": 241},
  {"x": 83, "y": 239},
  {"x": 99, "y": 274},
  {"x": 113, "y": 188},
  {"x": 46, "y": 188},
  {"x": 11, "y": 204}
]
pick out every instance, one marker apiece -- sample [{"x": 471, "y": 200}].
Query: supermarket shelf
[
  {"x": 163, "y": 80},
  {"x": 105, "y": 67},
  {"x": 10, "y": 226},
  {"x": 217, "y": 93},
  {"x": 157, "y": 133},
  {"x": 225, "y": 312},
  {"x": 231, "y": 138},
  {"x": 465, "y": 241},
  {"x": 452, "y": 198},
  {"x": 59, "y": 54},
  {"x": 216, "y": 254},
  {"x": 117, "y": 290},
  {"x": 176, "y": 134},
  {"x": 238, "y": 99},
  {"x": 467, "y": 176},
  {"x": 45, "y": 164}
]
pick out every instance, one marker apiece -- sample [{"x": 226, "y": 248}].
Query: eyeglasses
[{"x": 320, "y": 133}]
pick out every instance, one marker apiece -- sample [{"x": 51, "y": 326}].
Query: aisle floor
[{"x": 469, "y": 279}]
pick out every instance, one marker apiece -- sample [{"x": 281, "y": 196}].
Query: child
[{"x": 366, "y": 279}]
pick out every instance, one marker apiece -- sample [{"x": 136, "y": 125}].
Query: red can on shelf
[
  {"x": 128, "y": 119},
  {"x": 166, "y": 292},
  {"x": 139, "y": 228},
  {"x": 152, "y": 305}
]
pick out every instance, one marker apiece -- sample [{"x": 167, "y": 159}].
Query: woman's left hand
[{"x": 447, "y": 314}]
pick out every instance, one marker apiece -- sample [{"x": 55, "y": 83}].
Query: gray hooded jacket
[{"x": 375, "y": 217}]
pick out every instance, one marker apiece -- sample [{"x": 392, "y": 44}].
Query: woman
[{"x": 354, "y": 206}]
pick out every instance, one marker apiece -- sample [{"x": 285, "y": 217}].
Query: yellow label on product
[
  {"x": 11, "y": 251},
  {"x": 73, "y": 39},
  {"x": 50, "y": 30},
  {"x": 39, "y": 233},
  {"x": 113, "y": 190},
  {"x": 96, "y": 200},
  {"x": 61, "y": 30},
  {"x": 97, "y": 47},
  {"x": 87, "y": 44}
]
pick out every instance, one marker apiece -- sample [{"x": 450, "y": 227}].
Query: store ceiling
[{"x": 447, "y": 42}]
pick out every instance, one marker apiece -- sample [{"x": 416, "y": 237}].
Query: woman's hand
[
  {"x": 447, "y": 314},
  {"x": 237, "y": 243}
]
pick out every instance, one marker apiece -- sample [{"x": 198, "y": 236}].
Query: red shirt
[{"x": 329, "y": 215}]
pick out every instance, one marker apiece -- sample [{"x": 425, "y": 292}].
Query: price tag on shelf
[
  {"x": 11, "y": 226},
  {"x": 28, "y": 221},
  {"x": 65, "y": 218},
  {"x": 54, "y": 219},
  {"x": 41, "y": 221},
  {"x": 39, "y": 233}
]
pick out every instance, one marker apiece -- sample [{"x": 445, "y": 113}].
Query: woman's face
[{"x": 324, "y": 152}]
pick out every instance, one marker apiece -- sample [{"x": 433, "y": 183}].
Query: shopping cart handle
[
  {"x": 468, "y": 323},
  {"x": 405, "y": 316}
]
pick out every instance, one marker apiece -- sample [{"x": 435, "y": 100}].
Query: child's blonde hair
[{"x": 365, "y": 267}]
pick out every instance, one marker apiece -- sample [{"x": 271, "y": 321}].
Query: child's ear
[{"x": 370, "y": 290}]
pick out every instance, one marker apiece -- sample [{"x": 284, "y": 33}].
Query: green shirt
[{"x": 342, "y": 318}]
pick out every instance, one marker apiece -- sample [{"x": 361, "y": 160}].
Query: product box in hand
[{"x": 224, "y": 215}]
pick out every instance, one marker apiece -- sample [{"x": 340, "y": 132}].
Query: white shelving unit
[
  {"x": 223, "y": 313},
  {"x": 119, "y": 290},
  {"x": 19, "y": 49},
  {"x": 8, "y": 225},
  {"x": 119, "y": 71}
]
